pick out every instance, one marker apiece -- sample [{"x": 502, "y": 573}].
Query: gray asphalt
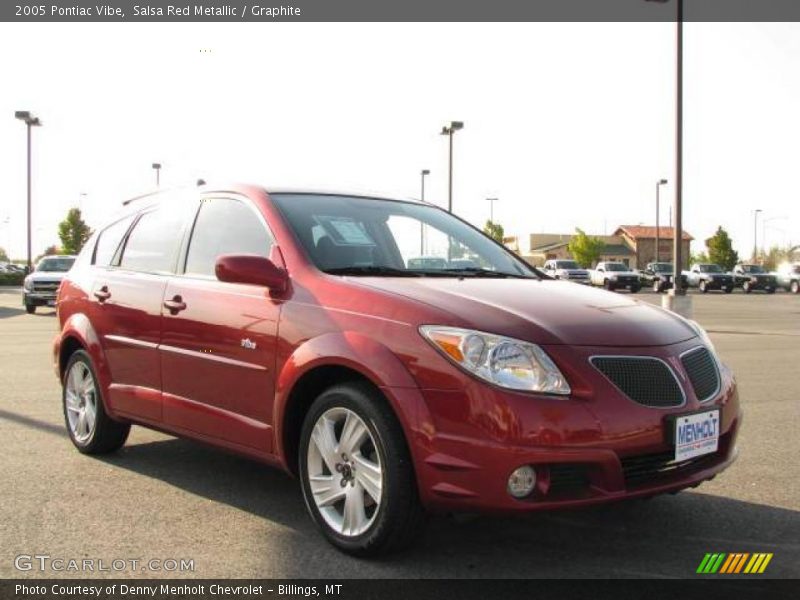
[{"x": 164, "y": 498}]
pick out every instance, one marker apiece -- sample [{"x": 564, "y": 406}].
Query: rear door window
[{"x": 152, "y": 244}]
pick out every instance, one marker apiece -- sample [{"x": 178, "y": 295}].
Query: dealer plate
[{"x": 696, "y": 434}]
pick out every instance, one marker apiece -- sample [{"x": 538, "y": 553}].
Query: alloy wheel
[
  {"x": 81, "y": 402},
  {"x": 345, "y": 473}
]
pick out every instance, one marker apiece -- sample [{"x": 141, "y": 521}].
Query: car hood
[
  {"x": 45, "y": 276},
  {"x": 623, "y": 273},
  {"x": 544, "y": 312}
]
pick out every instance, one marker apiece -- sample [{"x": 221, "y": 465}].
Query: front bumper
[
  {"x": 595, "y": 447},
  {"x": 39, "y": 298}
]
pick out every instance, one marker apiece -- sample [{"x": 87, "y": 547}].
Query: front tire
[
  {"x": 30, "y": 308},
  {"x": 794, "y": 287},
  {"x": 657, "y": 286},
  {"x": 703, "y": 287},
  {"x": 356, "y": 472},
  {"x": 635, "y": 289},
  {"x": 608, "y": 285},
  {"x": 729, "y": 290},
  {"x": 747, "y": 287},
  {"x": 91, "y": 430}
]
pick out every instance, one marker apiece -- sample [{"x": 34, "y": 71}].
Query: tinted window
[
  {"x": 153, "y": 242},
  {"x": 224, "y": 226},
  {"x": 55, "y": 265},
  {"x": 109, "y": 241}
]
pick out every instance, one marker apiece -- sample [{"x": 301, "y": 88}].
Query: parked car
[
  {"x": 40, "y": 287},
  {"x": 755, "y": 277},
  {"x": 289, "y": 328},
  {"x": 788, "y": 276},
  {"x": 615, "y": 275},
  {"x": 566, "y": 269},
  {"x": 708, "y": 276},
  {"x": 661, "y": 275}
]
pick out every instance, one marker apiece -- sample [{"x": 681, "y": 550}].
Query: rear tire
[
  {"x": 770, "y": 290},
  {"x": 729, "y": 290},
  {"x": 635, "y": 289},
  {"x": 347, "y": 475},
  {"x": 91, "y": 430}
]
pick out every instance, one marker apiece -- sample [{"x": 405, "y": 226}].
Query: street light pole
[
  {"x": 30, "y": 121},
  {"x": 659, "y": 183},
  {"x": 449, "y": 131},
  {"x": 678, "y": 231},
  {"x": 422, "y": 174},
  {"x": 755, "y": 234},
  {"x": 157, "y": 167},
  {"x": 491, "y": 202}
]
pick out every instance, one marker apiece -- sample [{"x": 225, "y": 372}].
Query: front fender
[{"x": 357, "y": 352}]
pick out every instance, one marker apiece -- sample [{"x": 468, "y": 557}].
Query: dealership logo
[{"x": 741, "y": 562}]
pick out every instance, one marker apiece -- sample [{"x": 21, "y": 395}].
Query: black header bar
[{"x": 395, "y": 10}]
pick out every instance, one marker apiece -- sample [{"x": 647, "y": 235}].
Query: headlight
[
  {"x": 28, "y": 284},
  {"x": 503, "y": 361}
]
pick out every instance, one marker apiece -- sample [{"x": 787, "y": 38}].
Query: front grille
[
  {"x": 568, "y": 478},
  {"x": 645, "y": 380},
  {"x": 647, "y": 468},
  {"x": 702, "y": 372},
  {"x": 45, "y": 286}
]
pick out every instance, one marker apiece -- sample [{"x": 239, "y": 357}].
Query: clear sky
[{"x": 567, "y": 124}]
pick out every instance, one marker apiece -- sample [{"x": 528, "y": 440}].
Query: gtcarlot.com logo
[{"x": 734, "y": 563}]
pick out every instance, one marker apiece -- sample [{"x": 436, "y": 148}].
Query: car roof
[{"x": 244, "y": 187}]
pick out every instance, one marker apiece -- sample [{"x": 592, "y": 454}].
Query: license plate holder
[{"x": 694, "y": 434}]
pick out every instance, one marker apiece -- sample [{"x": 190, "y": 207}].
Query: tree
[
  {"x": 4, "y": 255},
  {"x": 73, "y": 232},
  {"x": 494, "y": 230},
  {"x": 720, "y": 250},
  {"x": 585, "y": 249},
  {"x": 49, "y": 251},
  {"x": 698, "y": 258}
]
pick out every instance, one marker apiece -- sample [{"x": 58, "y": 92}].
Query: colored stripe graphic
[
  {"x": 729, "y": 564},
  {"x": 711, "y": 563}
]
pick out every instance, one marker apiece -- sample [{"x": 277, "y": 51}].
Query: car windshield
[
  {"x": 661, "y": 268},
  {"x": 347, "y": 235},
  {"x": 710, "y": 269},
  {"x": 753, "y": 269},
  {"x": 616, "y": 267},
  {"x": 55, "y": 265},
  {"x": 566, "y": 264}
]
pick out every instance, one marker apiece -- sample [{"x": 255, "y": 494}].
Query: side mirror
[{"x": 252, "y": 269}]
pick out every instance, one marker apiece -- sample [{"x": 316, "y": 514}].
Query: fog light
[{"x": 522, "y": 481}]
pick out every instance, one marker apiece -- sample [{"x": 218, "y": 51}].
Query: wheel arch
[
  {"x": 335, "y": 358},
  {"x": 78, "y": 333}
]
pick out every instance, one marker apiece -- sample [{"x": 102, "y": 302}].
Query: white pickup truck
[
  {"x": 615, "y": 275},
  {"x": 708, "y": 276}
]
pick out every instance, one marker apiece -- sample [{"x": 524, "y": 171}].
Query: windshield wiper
[
  {"x": 372, "y": 270},
  {"x": 479, "y": 272}
]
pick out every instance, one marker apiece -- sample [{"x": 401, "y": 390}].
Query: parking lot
[{"x": 163, "y": 498}]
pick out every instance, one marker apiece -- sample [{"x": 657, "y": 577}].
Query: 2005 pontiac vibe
[{"x": 391, "y": 356}]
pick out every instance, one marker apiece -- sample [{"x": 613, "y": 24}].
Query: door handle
[
  {"x": 102, "y": 294},
  {"x": 175, "y": 305}
]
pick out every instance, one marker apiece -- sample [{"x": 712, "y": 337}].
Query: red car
[{"x": 302, "y": 330}]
